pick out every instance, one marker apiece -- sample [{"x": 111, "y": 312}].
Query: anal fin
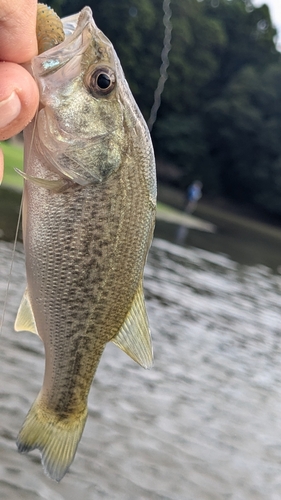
[
  {"x": 134, "y": 337},
  {"x": 25, "y": 320}
]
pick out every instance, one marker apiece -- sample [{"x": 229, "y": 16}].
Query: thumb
[{"x": 19, "y": 99}]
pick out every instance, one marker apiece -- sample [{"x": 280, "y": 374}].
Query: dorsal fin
[
  {"x": 134, "y": 337},
  {"x": 25, "y": 318}
]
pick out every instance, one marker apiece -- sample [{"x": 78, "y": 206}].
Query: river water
[{"x": 203, "y": 424}]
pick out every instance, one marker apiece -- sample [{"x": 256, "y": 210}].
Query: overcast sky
[{"x": 275, "y": 12}]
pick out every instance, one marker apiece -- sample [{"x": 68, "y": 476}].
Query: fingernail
[{"x": 9, "y": 110}]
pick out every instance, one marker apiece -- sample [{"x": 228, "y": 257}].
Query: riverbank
[
  {"x": 223, "y": 214},
  {"x": 169, "y": 209},
  {"x": 10, "y": 200},
  {"x": 169, "y": 214}
]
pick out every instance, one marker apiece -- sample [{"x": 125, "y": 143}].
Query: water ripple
[{"x": 204, "y": 423}]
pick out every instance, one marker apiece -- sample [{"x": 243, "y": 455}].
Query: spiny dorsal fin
[
  {"x": 134, "y": 337},
  {"x": 25, "y": 318}
]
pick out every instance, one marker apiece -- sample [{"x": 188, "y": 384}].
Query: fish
[{"x": 89, "y": 205}]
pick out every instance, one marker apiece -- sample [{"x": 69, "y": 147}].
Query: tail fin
[{"x": 56, "y": 438}]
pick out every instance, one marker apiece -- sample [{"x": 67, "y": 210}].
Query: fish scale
[
  {"x": 88, "y": 219},
  {"x": 100, "y": 314}
]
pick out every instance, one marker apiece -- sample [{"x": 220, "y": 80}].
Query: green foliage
[
  {"x": 249, "y": 36},
  {"x": 245, "y": 123},
  {"x": 13, "y": 157},
  {"x": 196, "y": 40}
]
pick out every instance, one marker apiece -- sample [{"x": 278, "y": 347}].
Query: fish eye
[{"x": 101, "y": 81}]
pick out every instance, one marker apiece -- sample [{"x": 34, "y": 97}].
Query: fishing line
[
  {"x": 165, "y": 63},
  {"x": 11, "y": 268},
  {"x": 16, "y": 238}
]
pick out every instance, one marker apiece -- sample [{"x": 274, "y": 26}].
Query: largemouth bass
[{"x": 88, "y": 219}]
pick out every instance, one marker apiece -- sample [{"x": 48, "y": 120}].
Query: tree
[{"x": 244, "y": 125}]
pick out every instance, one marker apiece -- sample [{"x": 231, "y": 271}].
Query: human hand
[{"x": 18, "y": 91}]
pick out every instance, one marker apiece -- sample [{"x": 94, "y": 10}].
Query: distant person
[{"x": 193, "y": 195}]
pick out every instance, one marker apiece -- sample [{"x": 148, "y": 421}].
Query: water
[{"x": 203, "y": 424}]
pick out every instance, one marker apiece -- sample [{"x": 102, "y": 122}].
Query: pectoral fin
[
  {"x": 134, "y": 337},
  {"x": 58, "y": 186},
  {"x": 25, "y": 318}
]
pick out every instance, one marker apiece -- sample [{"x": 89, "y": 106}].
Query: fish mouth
[
  {"x": 82, "y": 153},
  {"x": 80, "y": 29},
  {"x": 75, "y": 21}
]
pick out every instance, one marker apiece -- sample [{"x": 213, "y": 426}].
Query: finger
[
  {"x": 18, "y": 30},
  {"x": 19, "y": 99}
]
